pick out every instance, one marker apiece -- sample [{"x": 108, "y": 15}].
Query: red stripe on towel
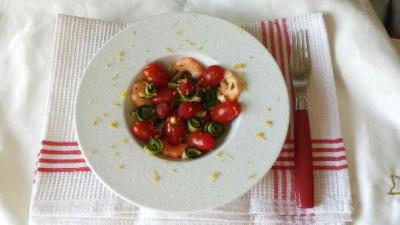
[
  {"x": 60, "y": 143},
  {"x": 60, "y": 152},
  {"x": 61, "y": 161},
  {"x": 53, "y": 170}
]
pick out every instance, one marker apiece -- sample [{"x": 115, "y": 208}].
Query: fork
[{"x": 300, "y": 64}]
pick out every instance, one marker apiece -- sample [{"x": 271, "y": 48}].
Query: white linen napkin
[{"x": 65, "y": 191}]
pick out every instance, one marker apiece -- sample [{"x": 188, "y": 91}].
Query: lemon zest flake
[
  {"x": 94, "y": 122},
  {"x": 214, "y": 176},
  {"x": 239, "y": 66},
  {"x": 125, "y": 141},
  {"x": 269, "y": 123},
  {"x": 113, "y": 125},
  {"x": 114, "y": 77},
  {"x": 219, "y": 154},
  {"x": 229, "y": 156},
  {"x": 189, "y": 43},
  {"x": 251, "y": 176},
  {"x": 122, "y": 94},
  {"x": 261, "y": 136},
  {"x": 117, "y": 105},
  {"x": 115, "y": 153},
  {"x": 170, "y": 50},
  {"x": 156, "y": 176},
  {"x": 120, "y": 167},
  {"x": 119, "y": 56}
]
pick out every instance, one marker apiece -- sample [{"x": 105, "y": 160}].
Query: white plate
[{"x": 183, "y": 185}]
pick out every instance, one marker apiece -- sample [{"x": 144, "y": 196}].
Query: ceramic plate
[{"x": 103, "y": 108}]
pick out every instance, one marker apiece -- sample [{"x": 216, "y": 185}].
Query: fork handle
[{"x": 303, "y": 162}]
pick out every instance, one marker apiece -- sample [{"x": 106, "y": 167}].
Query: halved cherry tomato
[
  {"x": 212, "y": 76},
  {"x": 173, "y": 151},
  {"x": 188, "y": 110},
  {"x": 174, "y": 129},
  {"x": 154, "y": 73},
  {"x": 186, "y": 86},
  {"x": 201, "y": 140},
  {"x": 163, "y": 109},
  {"x": 165, "y": 94},
  {"x": 144, "y": 130},
  {"x": 225, "y": 112}
]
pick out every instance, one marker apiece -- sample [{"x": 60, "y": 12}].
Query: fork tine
[
  {"x": 303, "y": 47},
  {"x": 307, "y": 43},
  {"x": 293, "y": 55},
  {"x": 299, "y": 48}
]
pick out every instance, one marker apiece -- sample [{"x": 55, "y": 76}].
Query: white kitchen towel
[{"x": 65, "y": 191}]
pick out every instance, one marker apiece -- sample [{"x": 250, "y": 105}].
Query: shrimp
[
  {"x": 229, "y": 89},
  {"x": 136, "y": 89},
  {"x": 189, "y": 64}
]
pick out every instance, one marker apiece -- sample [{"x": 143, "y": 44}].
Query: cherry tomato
[
  {"x": 212, "y": 76},
  {"x": 144, "y": 130},
  {"x": 188, "y": 110},
  {"x": 175, "y": 151},
  {"x": 165, "y": 94},
  {"x": 154, "y": 73},
  {"x": 163, "y": 109},
  {"x": 201, "y": 140},
  {"x": 225, "y": 112},
  {"x": 186, "y": 86},
  {"x": 174, "y": 129}
]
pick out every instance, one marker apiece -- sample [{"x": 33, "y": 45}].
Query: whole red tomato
[
  {"x": 201, "y": 140},
  {"x": 174, "y": 130},
  {"x": 212, "y": 76},
  {"x": 154, "y": 73},
  {"x": 188, "y": 110},
  {"x": 143, "y": 130},
  {"x": 165, "y": 94},
  {"x": 225, "y": 112}
]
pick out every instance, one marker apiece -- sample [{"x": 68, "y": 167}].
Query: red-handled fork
[{"x": 300, "y": 64}]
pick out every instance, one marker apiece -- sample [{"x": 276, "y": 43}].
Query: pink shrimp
[
  {"x": 191, "y": 65},
  {"x": 137, "y": 88}
]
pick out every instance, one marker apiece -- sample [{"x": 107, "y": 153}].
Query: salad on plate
[{"x": 182, "y": 115}]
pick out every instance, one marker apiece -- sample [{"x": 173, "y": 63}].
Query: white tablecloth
[{"x": 366, "y": 64}]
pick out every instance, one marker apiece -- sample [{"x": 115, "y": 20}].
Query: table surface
[{"x": 367, "y": 74}]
